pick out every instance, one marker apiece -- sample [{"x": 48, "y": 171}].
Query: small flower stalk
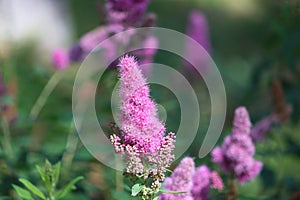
[
  {"x": 142, "y": 139},
  {"x": 281, "y": 113},
  {"x": 198, "y": 30}
]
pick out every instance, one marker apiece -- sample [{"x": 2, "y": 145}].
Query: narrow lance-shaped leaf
[
  {"x": 24, "y": 194},
  {"x": 48, "y": 173},
  {"x": 62, "y": 193},
  {"x": 32, "y": 188},
  {"x": 41, "y": 172},
  {"x": 171, "y": 192},
  {"x": 56, "y": 173}
]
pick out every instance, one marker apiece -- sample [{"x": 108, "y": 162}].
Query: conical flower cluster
[
  {"x": 139, "y": 119},
  {"x": 237, "y": 151},
  {"x": 142, "y": 141},
  {"x": 198, "y": 30}
]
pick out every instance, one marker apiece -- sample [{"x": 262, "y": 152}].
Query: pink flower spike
[
  {"x": 237, "y": 151},
  {"x": 216, "y": 181},
  {"x": 139, "y": 119},
  {"x": 198, "y": 30},
  {"x": 241, "y": 121},
  {"x": 60, "y": 59}
]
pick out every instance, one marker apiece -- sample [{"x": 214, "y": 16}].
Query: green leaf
[
  {"x": 24, "y": 194},
  {"x": 32, "y": 188},
  {"x": 136, "y": 189},
  {"x": 41, "y": 172},
  {"x": 56, "y": 172},
  {"x": 48, "y": 175},
  {"x": 62, "y": 193}
]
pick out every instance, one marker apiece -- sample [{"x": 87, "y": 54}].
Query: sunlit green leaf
[
  {"x": 24, "y": 194},
  {"x": 56, "y": 172},
  {"x": 136, "y": 189},
  {"x": 32, "y": 188}
]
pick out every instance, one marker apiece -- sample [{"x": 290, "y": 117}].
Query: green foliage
[
  {"x": 71, "y": 186},
  {"x": 50, "y": 178},
  {"x": 32, "y": 188},
  {"x": 24, "y": 194},
  {"x": 136, "y": 189}
]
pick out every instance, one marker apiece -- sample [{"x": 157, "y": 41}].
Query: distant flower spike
[
  {"x": 125, "y": 11},
  {"x": 60, "y": 59},
  {"x": 198, "y": 30},
  {"x": 237, "y": 151}
]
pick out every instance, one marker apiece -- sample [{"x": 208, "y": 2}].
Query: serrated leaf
[
  {"x": 24, "y": 194},
  {"x": 32, "y": 188},
  {"x": 136, "y": 189},
  {"x": 62, "y": 193}
]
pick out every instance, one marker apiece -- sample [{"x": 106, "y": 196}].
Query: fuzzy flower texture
[
  {"x": 142, "y": 140},
  {"x": 237, "y": 151},
  {"x": 129, "y": 11},
  {"x": 122, "y": 15},
  {"x": 191, "y": 183}
]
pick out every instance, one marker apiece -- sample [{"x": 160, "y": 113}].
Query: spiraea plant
[
  {"x": 142, "y": 141},
  {"x": 236, "y": 155},
  {"x": 147, "y": 149}
]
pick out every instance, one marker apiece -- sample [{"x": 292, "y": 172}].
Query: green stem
[
  {"x": 71, "y": 147},
  {"x": 40, "y": 102},
  {"x": 119, "y": 176},
  {"x": 7, "y": 147},
  {"x": 232, "y": 193}
]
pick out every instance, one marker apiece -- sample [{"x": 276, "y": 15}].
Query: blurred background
[{"x": 254, "y": 43}]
